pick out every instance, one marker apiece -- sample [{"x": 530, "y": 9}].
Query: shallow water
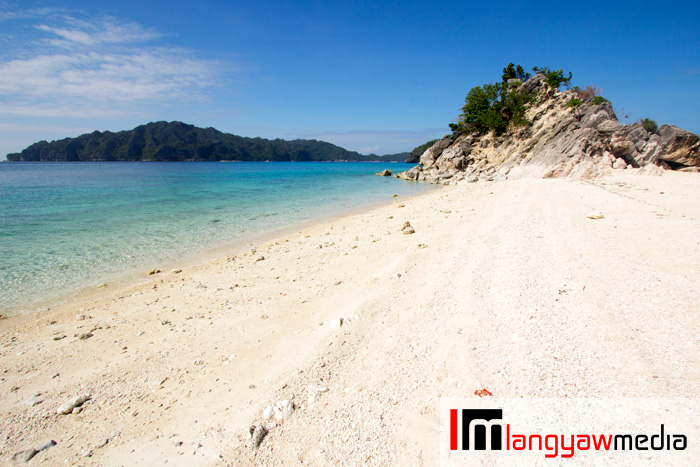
[{"x": 67, "y": 226}]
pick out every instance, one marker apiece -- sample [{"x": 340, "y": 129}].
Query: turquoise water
[{"x": 69, "y": 226}]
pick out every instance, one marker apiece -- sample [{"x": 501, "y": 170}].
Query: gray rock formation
[
  {"x": 679, "y": 146},
  {"x": 578, "y": 142}
]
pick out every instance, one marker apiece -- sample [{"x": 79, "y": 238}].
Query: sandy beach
[{"x": 508, "y": 286}]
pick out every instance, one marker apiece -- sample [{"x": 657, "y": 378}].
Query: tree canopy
[
  {"x": 499, "y": 106},
  {"x": 515, "y": 72}
]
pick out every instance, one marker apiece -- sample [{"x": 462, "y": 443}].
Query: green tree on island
[{"x": 498, "y": 106}]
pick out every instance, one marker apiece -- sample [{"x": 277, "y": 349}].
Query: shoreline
[
  {"x": 507, "y": 286},
  {"x": 132, "y": 276},
  {"x": 376, "y": 161},
  {"x": 209, "y": 254}
]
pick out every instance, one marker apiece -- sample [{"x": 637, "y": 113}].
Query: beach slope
[{"x": 509, "y": 286}]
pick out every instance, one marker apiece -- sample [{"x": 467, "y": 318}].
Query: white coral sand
[{"x": 512, "y": 289}]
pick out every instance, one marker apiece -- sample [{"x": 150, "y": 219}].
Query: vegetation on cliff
[
  {"x": 498, "y": 106},
  {"x": 649, "y": 125},
  {"x": 176, "y": 141}
]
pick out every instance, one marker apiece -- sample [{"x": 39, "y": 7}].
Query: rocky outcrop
[
  {"x": 560, "y": 141},
  {"x": 680, "y": 147}
]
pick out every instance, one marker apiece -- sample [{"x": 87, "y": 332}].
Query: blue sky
[{"x": 378, "y": 77}]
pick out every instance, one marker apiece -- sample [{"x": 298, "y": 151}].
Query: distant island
[{"x": 177, "y": 141}]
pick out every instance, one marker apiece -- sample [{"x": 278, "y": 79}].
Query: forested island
[{"x": 177, "y": 141}]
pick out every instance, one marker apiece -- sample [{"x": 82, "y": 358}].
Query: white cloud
[
  {"x": 105, "y": 30},
  {"x": 10, "y": 12},
  {"x": 369, "y": 150},
  {"x": 100, "y": 68},
  {"x": 155, "y": 74},
  {"x": 53, "y": 129},
  {"x": 80, "y": 37}
]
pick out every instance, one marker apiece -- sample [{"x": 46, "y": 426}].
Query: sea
[{"x": 67, "y": 228}]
